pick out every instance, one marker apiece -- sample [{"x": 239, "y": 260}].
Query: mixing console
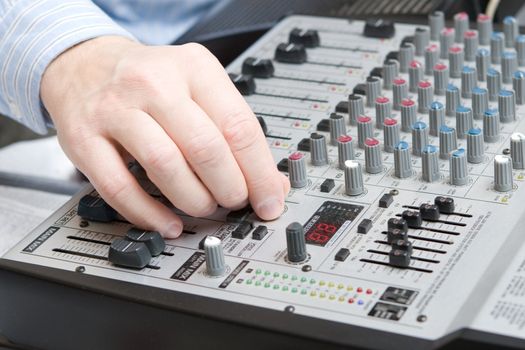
[{"x": 406, "y": 157}]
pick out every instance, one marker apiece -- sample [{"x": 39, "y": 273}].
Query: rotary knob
[
  {"x": 520, "y": 49},
  {"x": 480, "y": 102},
  {"x": 373, "y": 161},
  {"x": 430, "y": 163},
  {"x": 509, "y": 64},
  {"x": 364, "y": 130},
  {"x": 502, "y": 173},
  {"x": 493, "y": 83},
  {"x": 496, "y": 47},
  {"x": 318, "y": 150},
  {"x": 447, "y": 141},
  {"x": 424, "y": 95},
  {"x": 468, "y": 81},
  {"x": 471, "y": 45},
  {"x": 510, "y": 29},
  {"x": 390, "y": 72},
  {"x": 297, "y": 170},
  {"x": 460, "y": 25},
  {"x": 345, "y": 150},
  {"x": 446, "y": 39},
  {"x": 436, "y": 21},
  {"x": 419, "y": 137},
  {"x": 415, "y": 74},
  {"x": 436, "y": 117},
  {"x": 507, "y": 106},
  {"x": 431, "y": 58},
  {"x": 475, "y": 146},
  {"x": 400, "y": 92},
  {"x": 421, "y": 39},
  {"x": 491, "y": 126},
  {"x": 482, "y": 63},
  {"x": 406, "y": 55},
  {"x": 383, "y": 110},
  {"x": 215, "y": 263},
  {"x": 484, "y": 25},
  {"x": 440, "y": 78},
  {"x": 464, "y": 121},
  {"x": 451, "y": 100},
  {"x": 408, "y": 114},
  {"x": 356, "y": 108},
  {"x": 373, "y": 90},
  {"x": 456, "y": 58},
  {"x": 295, "y": 243},
  {"x": 458, "y": 168},
  {"x": 337, "y": 127},
  {"x": 518, "y": 85},
  {"x": 390, "y": 134},
  {"x": 517, "y": 150},
  {"x": 402, "y": 161},
  {"x": 353, "y": 178}
]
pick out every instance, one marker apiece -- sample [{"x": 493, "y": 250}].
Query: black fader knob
[
  {"x": 244, "y": 83},
  {"x": 429, "y": 212},
  {"x": 257, "y": 67},
  {"x": 413, "y": 218},
  {"x": 95, "y": 209},
  {"x": 123, "y": 252},
  {"x": 152, "y": 239},
  {"x": 379, "y": 28},
  {"x": 404, "y": 245},
  {"x": 445, "y": 204},
  {"x": 290, "y": 53},
  {"x": 295, "y": 242},
  {"x": 396, "y": 234},
  {"x": 306, "y": 37},
  {"x": 397, "y": 223},
  {"x": 399, "y": 258}
]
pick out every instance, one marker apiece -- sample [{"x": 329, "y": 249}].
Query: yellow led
[
  {"x": 331, "y": 284},
  {"x": 349, "y": 288},
  {"x": 322, "y": 283},
  {"x": 331, "y": 297},
  {"x": 340, "y": 286},
  {"x": 341, "y": 298},
  {"x": 313, "y": 293},
  {"x": 505, "y": 199},
  {"x": 322, "y": 295},
  {"x": 520, "y": 177}
]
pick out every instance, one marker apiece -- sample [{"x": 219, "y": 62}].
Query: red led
[
  {"x": 364, "y": 119},
  {"x": 344, "y": 138},
  {"x": 315, "y": 106},
  {"x": 359, "y": 290},
  {"x": 371, "y": 142},
  {"x": 406, "y": 102},
  {"x": 455, "y": 49},
  {"x": 440, "y": 66},
  {"x": 382, "y": 99},
  {"x": 369, "y": 291},
  {"x": 399, "y": 81},
  {"x": 424, "y": 84},
  {"x": 351, "y": 301},
  {"x": 390, "y": 121},
  {"x": 295, "y": 156}
]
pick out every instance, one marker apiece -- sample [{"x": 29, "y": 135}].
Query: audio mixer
[{"x": 405, "y": 150}]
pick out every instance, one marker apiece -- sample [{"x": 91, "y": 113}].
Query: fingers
[
  {"x": 165, "y": 165},
  {"x": 99, "y": 160},
  {"x": 215, "y": 93}
]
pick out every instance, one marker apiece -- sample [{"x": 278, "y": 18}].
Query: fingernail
[
  {"x": 174, "y": 230},
  {"x": 270, "y": 208}
]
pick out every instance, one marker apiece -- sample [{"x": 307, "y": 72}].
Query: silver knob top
[
  {"x": 353, "y": 178},
  {"x": 215, "y": 263},
  {"x": 503, "y": 181},
  {"x": 458, "y": 168}
]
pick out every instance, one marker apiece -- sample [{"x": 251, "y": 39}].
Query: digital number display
[{"x": 327, "y": 221}]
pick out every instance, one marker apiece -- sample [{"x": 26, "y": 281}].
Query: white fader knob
[
  {"x": 517, "y": 150},
  {"x": 502, "y": 173},
  {"x": 215, "y": 264}
]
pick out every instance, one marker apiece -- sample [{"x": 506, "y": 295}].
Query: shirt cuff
[{"x": 32, "y": 34}]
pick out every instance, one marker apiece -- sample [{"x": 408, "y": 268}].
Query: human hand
[{"x": 173, "y": 109}]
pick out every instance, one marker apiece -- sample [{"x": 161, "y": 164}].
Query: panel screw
[
  {"x": 306, "y": 268},
  {"x": 394, "y": 192},
  {"x": 290, "y": 309},
  {"x": 80, "y": 269},
  {"x": 84, "y": 223},
  {"x": 506, "y": 151},
  {"x": 421, "y": 318}
]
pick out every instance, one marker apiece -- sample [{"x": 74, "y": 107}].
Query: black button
[
  {"x": 379, "y": 28},
  {"x": 429, "y": 212},
  {"x": 364, "y": 226},
  {"x": 240, "y": 215},
  {"x": 342, "y": 254},
  {"x": 263, "y": 125},
  {"x": 242, "y": 230},
  {"x": 95, "y": 209},
  {"x": 396, "y": 234},
  {"x": 304, "y": 145},
  {"x": 386, "y": 200},
  {"x": 445, "y": 204},
  {"x": 259, "y": 68},
  {"x": 397, "y": 223},
  {"x": 359, "y": 89},
  {"x": 399, "y": 258},
  {"x": 244, "y": 83},
  {"x": 324, "y": 125},
  {"x": 152, "y": 239},
  {"x": 259, "y": 232},
  {"x": 308, "y": 38},
  {"x": 342, "y": 107},
  {"x": 327, "y": 185},
  {"x": 377, "y": 72},
  {"x": 123, "y": 252},
  {"x": 290, "y": 53},
  {"x": 283, "y": 165},
  {"x": 413, "y": 218}
]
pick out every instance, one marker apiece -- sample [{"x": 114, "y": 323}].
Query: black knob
[
  {"x": 445, "y": 204},
  {"x": 295, "y": 242},
  {"x": 413, "y": 218},
  {"x": 244, "y": 83},
  {"x": 263, "y": 125},
  {"x": 396, "y": 234},
  {"x": 259, "y": 68},
  {"x": 308, "y": 37},
  {"x": 152, "y": 239},
  {"x": 95, "y": 209},
  {"x": 399, "y": 258},
  {"x": 379, "y": 28},
  {"x": 429, "y": 212},
  {"x": 397, "y": 223},
  {"x": 290, "y": 53},
  {"x": 127, "y": 253}
]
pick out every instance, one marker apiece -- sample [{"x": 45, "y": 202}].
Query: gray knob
[
  {"x": 456, "y": 58},
  {"x": 419, "y": 137},
  {"x": 408, "y": 114},
  {"x": 373, "y": 160},
  {"x": 390, "y": 134},
  {"x": 503, "y": 181},
  {"x": 297, "y": 170},
  {"x": 518, "y": 85},
  {"x": 436, "y": 117},
  {"x": 436, "y": 21},
  {"x": 431, "y": 58},
  {"x": 295, "y": 243},
  {"x": 356, "y": 107},
  {"x": 383, "y": 110},
  {"x": 402, "y": 161},
  {"x": 458, "y": 168},
  {"x": 520, "y": 49},
  {"x": 406, "y": 55},
  {"x": 482, "y": 63},
  {"x": 364, "y": 130},
  {"x": 318, "y": 151},
  {"x": 480, "y": 102},
  {"x": 491, "y": 126},
  {"x": 400, "y": 92},
  {"x": 496, "y": 47},
  {"x": 424, "y": 95},
  {"x": 507, "y": 106},
  {"x": 421, "y": 40},
  {"x": 471, "y": 45},
  {"x": 451, "y": 100},
  {"x": 337, "y": 127},
  {"x": 353, "y": 178},
  {"x": 464, "y": 121},
  {"x": 475, "y": 146},
  {"x": 484, "y": 25},
  {"x": 415, "y": 74},
  {"x": 460, "y": 25},
  {"x": 215, "y": 264},
  {"x": 447, "y": 141},
  {"x": 468, "y": 81},
  {"x": 446, "y": 39},
  {"x": 345, "y": 150},
  {"x": 430, "y": 163},
  {"x": 509, "y": 64},
  {"x": 517, "y": 150},
  {"x": 390, "y": 72},
  {"x": 373, "y": 90},
  {"x": 440, "y": 78},
  {"x": 493, "y": 84},
  {"x": 510, "y": 29}
]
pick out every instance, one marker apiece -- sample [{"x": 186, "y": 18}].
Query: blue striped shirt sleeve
[{"x": 32, "y": 34}]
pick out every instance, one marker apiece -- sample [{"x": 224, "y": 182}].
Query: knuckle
[
  {"x": 234, "y": 198},
  {"x": 241, "y": 132},
  {"x": 113, "y": 188},
  {"x": 204, "y": 150},
  {"x": 201, "y": 208},
  {"x": 195, "y": 50},
  {"x": 160, "y": 160}
]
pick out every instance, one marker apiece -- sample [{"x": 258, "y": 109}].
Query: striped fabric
[{"x": 34, "y": 32}]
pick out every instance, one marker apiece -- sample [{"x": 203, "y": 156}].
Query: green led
[
  {"x": 275, "y": 286},
  {"x": 303, "y": 291},
  {"x": 294, "y": 278},
  {"x": 303, "y": 279},
  {"x": 248, "y": 281},
  {"x": 257, "y": 283},
  {"x": 267, "y": 273},
  {"x": 285, "y": 276},
  {"x": 294, "y": 290},
  {"x": 267, "y": 285},
  {"x": 258, "y": 271},
  {"x": 285, "y": 288},
  {"x": 312, "y": 281},
  {"x": 276, "y": 274}
]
